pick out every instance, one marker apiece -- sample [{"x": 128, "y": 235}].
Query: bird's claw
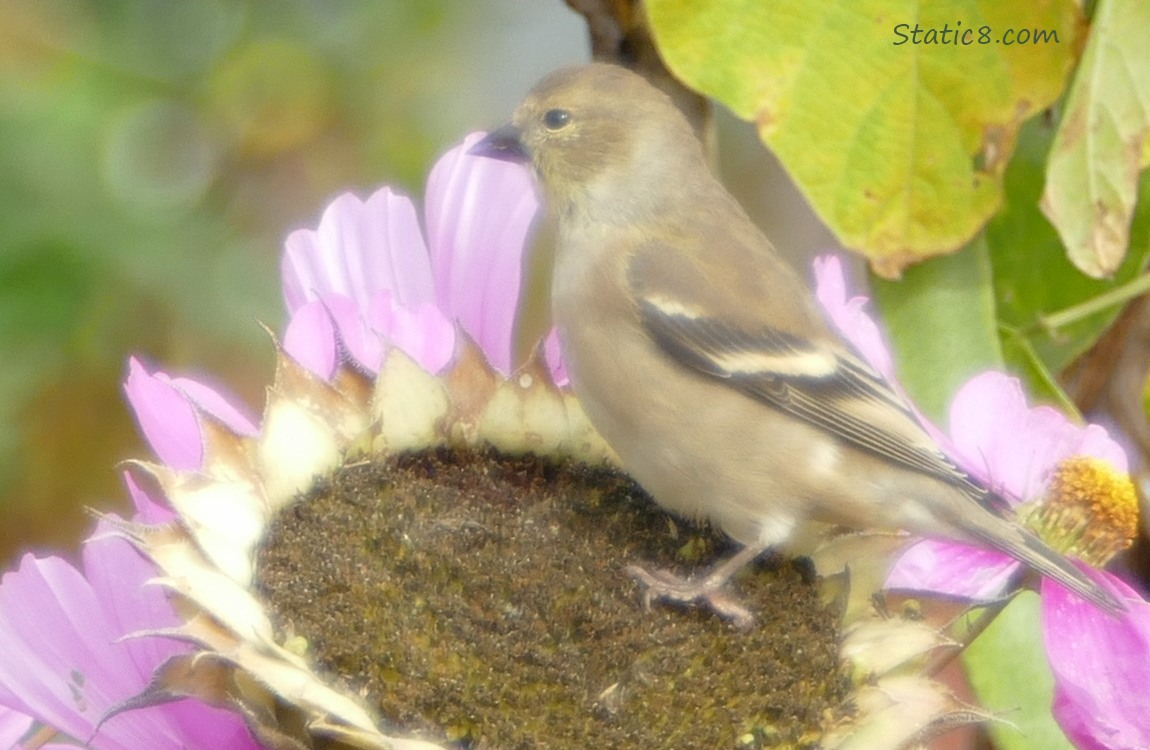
[{"x": 666, "y": 586}]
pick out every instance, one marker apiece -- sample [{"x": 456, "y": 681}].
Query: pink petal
[
  {"x": 999, "y": 438},
  {"x": 1094, "y": 440},
  {"x": 854, "y": 324},
  {"x": 212, "y": 399},
  {"x": 310, "y": 339},
  {"x": 355, "y": 335},
  {"x": 479, "y": 212},
  {"x": 320, "y": 332},
  {"x": 849, "y": 316},
  {"x": 1101, "y": 665},
  {"x": 986, "y": 417},
  {"x": 167, "y": 410},
  {"x": 118, "y": 575},
  {"x": 359, "y": 248},
  {"x": 1104, "y": 439},
  {"x": 424, "y": 333},
  {"x": 149, "y": 510},
  {"x": 166, "y": 417},
  {"x": 958, "y": 570},
  {"x": 63, "y": 663},
  {"x": 30, "y": 612},
  {"x": 13, "y": 726}
]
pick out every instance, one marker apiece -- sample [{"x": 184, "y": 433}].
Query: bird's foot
[{"x": 707, "y": 591}]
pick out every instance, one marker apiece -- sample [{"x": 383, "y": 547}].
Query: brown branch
[{"x": 621, "y": 35}]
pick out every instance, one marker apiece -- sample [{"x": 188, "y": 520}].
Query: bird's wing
[{"x": 819, "y": 381}]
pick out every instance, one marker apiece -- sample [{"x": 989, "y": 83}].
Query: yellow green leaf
[
  {"x": 898, "y": 139},
  {"x": 1092, "y": 175}
]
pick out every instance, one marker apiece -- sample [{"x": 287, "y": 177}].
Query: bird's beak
[{"x": 502, "y": 143}]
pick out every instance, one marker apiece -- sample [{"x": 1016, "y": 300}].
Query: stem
[{"x": 1116, "y": 296}]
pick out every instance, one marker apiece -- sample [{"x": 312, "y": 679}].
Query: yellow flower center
[{"x": 1090, "y": 511}]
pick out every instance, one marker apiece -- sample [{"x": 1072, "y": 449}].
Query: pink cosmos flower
[
  {"x": 367, "y": 278},
  {"x": 998, "y": 438},
  {"x": 1101, "y": 663},
  {"x": 69, "y": 654}
]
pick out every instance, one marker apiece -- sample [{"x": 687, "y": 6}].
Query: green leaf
[
  {"x": 898, "y": 146},
  {"x": 1034, "y": 280},
  {"x": 940, "y": 319},
  {"x": 1008, "y": 670},
  {"x": 1092, "y": 178}
]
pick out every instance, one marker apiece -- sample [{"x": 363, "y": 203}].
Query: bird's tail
[{"x": 1012, "y": 539}]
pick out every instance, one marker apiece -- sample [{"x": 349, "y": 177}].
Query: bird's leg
[{"x": 708, "y": 590}]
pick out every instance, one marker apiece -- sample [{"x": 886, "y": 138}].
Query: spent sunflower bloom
[
  {"x": 1069, "y": 483},
  {"x": 340, "y": 351}
]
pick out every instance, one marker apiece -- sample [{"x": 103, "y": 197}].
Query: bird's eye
[{"x": 555, "y": 119}]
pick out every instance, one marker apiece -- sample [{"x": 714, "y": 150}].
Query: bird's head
[{"x": 595, "y": 135}]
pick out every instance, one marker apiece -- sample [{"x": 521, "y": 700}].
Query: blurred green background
[{"x": 153, "y": 156}]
